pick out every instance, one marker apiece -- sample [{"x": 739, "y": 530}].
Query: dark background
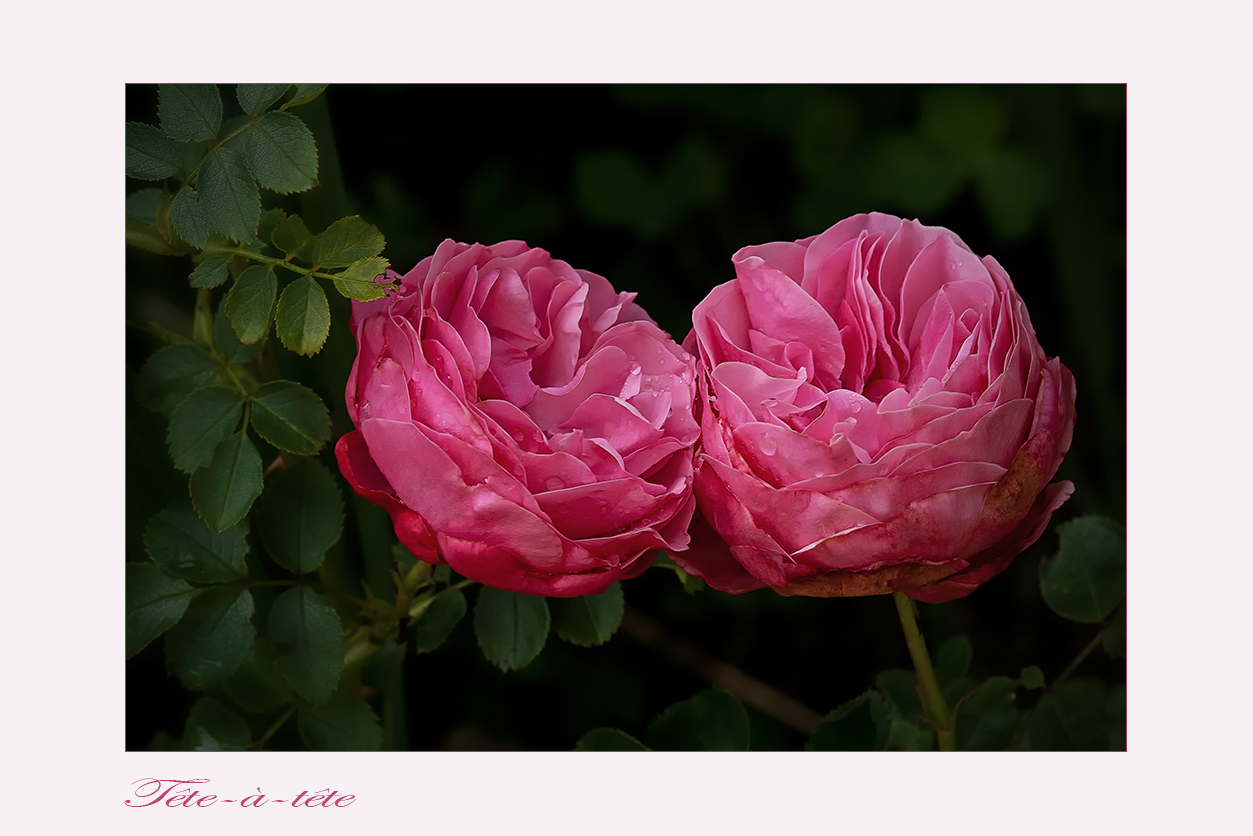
[{"x": 655, "y": 187}]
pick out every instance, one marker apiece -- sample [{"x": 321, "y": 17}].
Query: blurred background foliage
[{"x": 655, "y": 187}]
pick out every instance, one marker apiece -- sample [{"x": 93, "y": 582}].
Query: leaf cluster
[
  {"x": 212, "y": 171},
  {"x": 1084, "y": 582}
]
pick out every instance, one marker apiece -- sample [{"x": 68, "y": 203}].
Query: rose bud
[
  {"x": 521, "y": 421},
  {"x": 876, "y": 416}
]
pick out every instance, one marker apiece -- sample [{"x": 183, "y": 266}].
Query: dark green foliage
[
  {"x": 511, "y": 628},
  {"x": 308, "y": 640},
  {"x": 588, "y": 620}
]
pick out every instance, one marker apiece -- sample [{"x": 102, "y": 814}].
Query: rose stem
[{"x": 928, "y": 688}]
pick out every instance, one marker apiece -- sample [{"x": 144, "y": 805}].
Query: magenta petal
[{"x": 876, "y": 416}]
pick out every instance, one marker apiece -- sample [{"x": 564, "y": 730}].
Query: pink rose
[
  {"x": 521, "y": 421},
  {"x": 876, "y": 416}
]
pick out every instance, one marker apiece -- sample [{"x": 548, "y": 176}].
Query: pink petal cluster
[
  {"x": 521, "y": 421},
  {"x": 876, "y": 416}
]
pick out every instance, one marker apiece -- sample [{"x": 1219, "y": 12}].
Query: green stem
[
  {"x": 937, "y": 712},
  {"x": 278, "y": 724},
  {"x": 213, "y": 248},
  {"x": 1078, "y": 660},
  {"x": 192, "y": 174}
]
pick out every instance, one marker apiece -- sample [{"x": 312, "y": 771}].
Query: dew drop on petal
[
  {"x": 769, "y": 446},
  {"x": 554, "y": 483}
]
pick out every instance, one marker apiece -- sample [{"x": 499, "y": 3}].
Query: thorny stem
[{"x": 938, "y": 714}]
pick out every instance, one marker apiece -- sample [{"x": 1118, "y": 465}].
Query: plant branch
[
  {"x": 265, "y": 738},
  {"x": 1078, "y": 660},
  {"x": 937, "y": 711},
  {"x": 754, "y": 692},
  {"x": 212, "y": 248}
]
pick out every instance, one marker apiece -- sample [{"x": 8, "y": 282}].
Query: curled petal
[
  {"x": 876, "y": 416},
  {"x": 521, "y": 421}
]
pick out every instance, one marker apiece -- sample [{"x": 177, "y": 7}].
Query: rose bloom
[
  {"x": 876, "y": 416},
  {"x": 521, "y": 421}
]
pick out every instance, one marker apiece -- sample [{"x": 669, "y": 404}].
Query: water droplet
[
  {"x": 554, "y": 483},
  {"x": 563, "y": 508},
  {"x": 769, "y": 446}
]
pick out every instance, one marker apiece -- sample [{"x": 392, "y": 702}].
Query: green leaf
[
  {"x": 282, "y": 153},
  {"x": 351, "y": 727},
  {"x": 171, "y": 374},
  {"x": 1073, "y": 719},
  {"x": 1031, "y": 677},
  {"x": 179, "y": 542},
  {"x": 150, "y": 154},
  {"x": 154, "y": 603},
  {"x": 309, "y": 641},
  {"x": 437, "y": 621},
  {"x": 142, "y": 205},
  {"x": 588, "y": 620},
  {"x": 256, "y": 685},
  {"x": 991, "y": 732},
  {"x": 994, "y": 693},
  {"x": 711, "y": 721},
  {"x": 860, "y": 725},
  {"x": 291, "y": 417},
  {"x": 213, "y": 637},
  {"x": 189, "y": 111},
  {"x": 211, "y": 727},
  {"x": 224, "y": 491},
  {"x": 255, "y": 98},
  {"x": 304, "y": 94},
  {"x": 270, "y": 219},
  {"x": 249, "y": 304},
  {"x": 357, "y": 280},
  {"x": 188, "y": 218},
  {"x": 898, "y": 685},
  {"x": 198, "y": 424},
  {"x": 304, "y": 317},
  {"x": 300, "y": 516},
  {"x": 211, "y": 272},
  {"x": 229, "y": 194},
  {"x": 511, "y": 628},
  {"x": 291, "y": 235},
  {"x": 906, "y": 735},
  {"x": 952, "y": 660},
  {"x": 1087, "y": 578},
  {"x": 609, "y": 740},
  {"x": 227, "y": 344},
  {"x": 343, "y": 242}
]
